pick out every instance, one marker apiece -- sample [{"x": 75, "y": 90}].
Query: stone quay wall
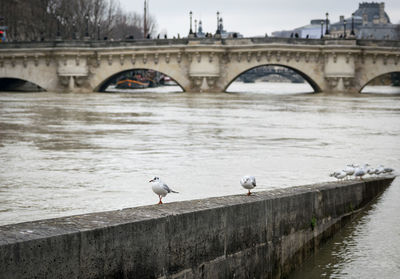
[{"x": 265, "y": 235}]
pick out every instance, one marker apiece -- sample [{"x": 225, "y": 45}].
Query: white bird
[
  {"x": 360, "y": 172},
  {"x": 334, "y": 174},
  {"x": 371, "y": 171},
  {"x": 248, "y": 182},
  {"x": 349, "y": 170},
  {"x": 160, "y": 188},
  {"x": 341, "y": 175},
  {"x": 388, "y": 170},
  {"x": 380, "y": 169}
]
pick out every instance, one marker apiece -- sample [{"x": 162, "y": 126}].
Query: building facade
[{"x": 369, "y": 21}]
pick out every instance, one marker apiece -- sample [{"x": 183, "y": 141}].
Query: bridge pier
[
  {"x": 204, "y": 84},
  {"x": 71, "y": 85},
  {"x": 339, "y": 72}
]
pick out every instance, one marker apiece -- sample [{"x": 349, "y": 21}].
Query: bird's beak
[{"x": 151, "y": 180}]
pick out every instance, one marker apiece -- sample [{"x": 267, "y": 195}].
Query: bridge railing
[{"x": 199, "y": 41}]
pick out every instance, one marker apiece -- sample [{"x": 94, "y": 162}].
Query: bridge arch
[
  {"x": 105, "y": 72},
  {"x": 19, "y": 84},
  {"x": 306, "y": 74},
  {"x": 374, "y": 77},
  {"x": 104, "y": 84},
  {"x": 47, "y": 79}
]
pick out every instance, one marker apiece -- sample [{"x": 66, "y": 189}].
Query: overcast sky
[{"x": 249, "y": 17}]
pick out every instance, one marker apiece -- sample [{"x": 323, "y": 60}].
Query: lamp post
[
  {"x": 145, "y": 20},
  {"x": 326, "y": 23},
  {"x": 344, "y": 28},
  {"x": 87, "y": 25},
  {"x": 352, "y": 25},
  {"x": 190, "y": 31},
  {"x": 73, "y": 31},
  {"x": 58, "y": 28},
  {"x": 218, "y": 31},
  {"x": 322, "y": 29},
  {"x": 195, "y": 26},
  {"x": 98, "y": 31}
]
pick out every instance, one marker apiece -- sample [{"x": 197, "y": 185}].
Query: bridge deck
[{"x": 201, "y": 41}]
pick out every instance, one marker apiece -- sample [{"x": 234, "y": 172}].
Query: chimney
[
  {"x": 376, "y": 20},
  {"x": 382, "y": 18},
  {"x": 364, "y": 19}
]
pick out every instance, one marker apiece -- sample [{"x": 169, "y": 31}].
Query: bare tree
[
  {"x": 70, "y": 19},
  {"x": 151, "y": 25}
]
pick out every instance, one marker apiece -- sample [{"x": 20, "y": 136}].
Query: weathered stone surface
[{"x": 265, "y": 235}]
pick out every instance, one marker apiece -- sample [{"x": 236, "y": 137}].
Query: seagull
[
  {"x": 371, "y": 171},
  {"x": 248, "y": 182},
  {"x": 160, "y": 188},
  {"x": 360, "y": 172},
  {"x": 339, "y": 174},
  {"x": 334, "y": 174},
  {"x": 388, "y": 170},
  {"x": 349, "y": 170},
  {"x": 380, "y": 170}
]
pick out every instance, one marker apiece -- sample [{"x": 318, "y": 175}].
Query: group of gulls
[
  {"x": 161, "y": 189},
  {"x": 359, "y": 172},
  {"x": 249, "y": 182}
]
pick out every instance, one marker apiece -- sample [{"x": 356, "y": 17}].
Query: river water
[{"x": 65, "y": 154}]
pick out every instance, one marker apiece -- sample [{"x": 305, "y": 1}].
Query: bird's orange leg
[
  {"x": 160, "y": 202},
  {"x": 249, "y": 193}
]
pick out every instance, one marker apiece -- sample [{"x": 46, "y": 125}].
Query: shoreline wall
[{"x": 265, "y": 235}]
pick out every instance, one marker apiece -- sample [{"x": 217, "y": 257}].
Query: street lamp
[
  {"x": 190, "y": 31},
  {"x": 73, "y": 31},
  {"x": 322, "y": 29},
  {"x": 218, "y": 31},
  {"x": 87, "y": 25},
  {"x": 352, "y": 25},
  {"x": 58, "y": 28},
  {"x": 327, "y": 23},
  {"x": 98, "y": 31},
  {"x": 195, "y": 26},
  {"x": 344, "y": 28}
]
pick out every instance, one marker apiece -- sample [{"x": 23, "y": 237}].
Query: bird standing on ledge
[
  {"x": 248, "y": 182},
  {"x": 160, "y": 188}
]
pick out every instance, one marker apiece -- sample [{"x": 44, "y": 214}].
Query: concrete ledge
[{"x": 262, "y": 236}]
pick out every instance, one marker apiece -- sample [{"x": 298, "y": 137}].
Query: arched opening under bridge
[
  {"x": 18, "y": 85},
  {"x": 140, "y": 81},
  {"x": 272, "y": 79},
  {"x": 388, "y": 83}
]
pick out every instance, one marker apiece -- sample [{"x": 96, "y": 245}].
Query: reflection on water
[
  {"x": 270, "y": 87},
  {"x": 159, "y": 89},
  {"x": 377, "y": 89},
  {"x": 368, "y": 247},
  {"x": 64, "y": 154}
]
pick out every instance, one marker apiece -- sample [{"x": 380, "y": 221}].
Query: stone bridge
[{"x": 198, "y": 65}]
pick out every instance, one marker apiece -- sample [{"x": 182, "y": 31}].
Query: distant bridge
[
  {"x": 265, "y": 71},
  {"x": 198, "y": 65}
]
